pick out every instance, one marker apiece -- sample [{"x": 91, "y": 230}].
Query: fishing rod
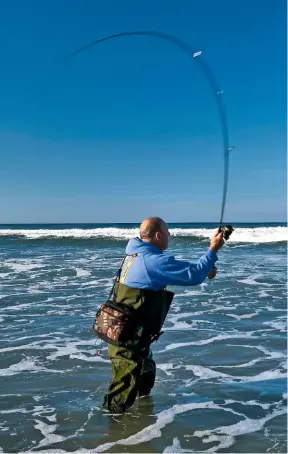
[{"x": 197, "y": 56}]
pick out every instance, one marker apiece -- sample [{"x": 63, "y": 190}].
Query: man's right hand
[{"x": 217, "y": 241}]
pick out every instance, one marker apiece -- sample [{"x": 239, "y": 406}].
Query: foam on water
[
  {"x": 82, "y": 273},
  {"x": 263, "y": 294},
  {"x": 27, "y": 364},
  {"x": 20, "y": 266},
  {"x": 225, "y": 435},
  {"x": 206, "y": 373},
  {"x": 14, "y": 410},
  {"x": 241, "y": 235},
  {"x": 279, "y": 324},
  {"x": 175, "y": 447},
  {"x": 207, "y": 341},
  {"x": 109, "y": 232},
  {"x": 47, "y": 431},
  {"x": 89, "y": 359},
  {"x": 191, "y": 293},
  {"x": 240, "y": 317},
  {"x": 163, "y": 419},
  {"x": 236, "y": 334},
  {"x": 251, "y": 281}
]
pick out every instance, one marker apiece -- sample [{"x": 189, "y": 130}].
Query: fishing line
[{"x": 197, "y": 56}]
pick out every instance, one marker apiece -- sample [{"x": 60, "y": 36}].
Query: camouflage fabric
[
  {"x": 133, "y": 375},
  {"x": 109, "y": 322}
]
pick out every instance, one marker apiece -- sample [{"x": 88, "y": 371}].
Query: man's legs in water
[{"x": 133, "y": 373}]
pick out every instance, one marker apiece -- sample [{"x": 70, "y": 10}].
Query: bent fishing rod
[{"x": 217, "y": 92}]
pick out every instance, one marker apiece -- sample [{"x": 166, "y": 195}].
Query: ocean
[{"x": 221, "y": 363}]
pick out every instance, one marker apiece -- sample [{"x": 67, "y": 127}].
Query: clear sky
[{"x": 130, "y": 128}]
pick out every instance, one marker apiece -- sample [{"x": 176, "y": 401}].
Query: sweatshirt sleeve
[{"x": 177, "y": 272}]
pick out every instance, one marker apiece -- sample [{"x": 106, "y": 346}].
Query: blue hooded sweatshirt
[{"x": 153, "y": 270}]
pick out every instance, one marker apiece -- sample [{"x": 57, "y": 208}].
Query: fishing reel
[{"x": 227, "y": 231}]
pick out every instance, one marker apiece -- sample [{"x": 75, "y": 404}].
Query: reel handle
[{"x": 226, "y": 230}]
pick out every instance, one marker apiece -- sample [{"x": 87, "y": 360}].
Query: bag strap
[
  {"x": 117, "y": 278},
  {"x": 126, "y": 271}
]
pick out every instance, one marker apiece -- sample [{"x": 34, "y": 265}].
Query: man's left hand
[{"x": 212, "y": 273}]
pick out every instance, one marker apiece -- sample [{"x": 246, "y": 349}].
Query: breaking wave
[{"x": 241, "y": 235}]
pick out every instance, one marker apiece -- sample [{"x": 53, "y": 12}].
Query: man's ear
[{"x": 158, "y": 235}]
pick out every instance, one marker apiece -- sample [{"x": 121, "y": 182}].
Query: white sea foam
[
  {"x": 69, "y": 348},
  {"x": 263, "y": 376},
  {"x": 109, "y": 232},
  {"x": 272, "y": 309},
  {"x": 280, "y": 325},
  {"x": 207, "y": 341},
  {"x": 177, "y": 326},
  {"x": 225, "y": 435},
  {"x": 19, "y": 307},
  {"x": 52, "y": 418},
  {"x": 239, "y": 317},
  {"x": 14, "y": 410},
  {"x": 269, "y": 354},
  {"x": 206, "y": 373},
  {"x": 47, "y": 431},
  {"x": 176, "y": 447},
  {"x": 263, "y": 294},
  {"x": 183, "y": 325},
  {"x": 21, "y": 266},
  {"x": 251, "y": 280},
  {"x": 167, "y": 367},
  {"x": 89, "y": 359},
  {"x": 82, "y": 273},
  {"x": 241, "y": 235},
  {"x": 37, "y": 410},
  {"x": 191, "y": 293},
  {"x": 27, "y": 364},
  {"x": 163, "y": 419},
  {"x": 34, "y": 289},
  {"x": 237, "y": 366}
]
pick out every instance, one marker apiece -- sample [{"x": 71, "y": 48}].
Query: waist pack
[{"x": 116, "y": 324}]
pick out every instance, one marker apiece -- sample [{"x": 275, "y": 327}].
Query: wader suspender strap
[
  {"x": 126, "y": 271},
  {"x": 117, "y": 278}
]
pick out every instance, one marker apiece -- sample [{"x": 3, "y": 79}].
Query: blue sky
[{"x": 130, "y": 128}]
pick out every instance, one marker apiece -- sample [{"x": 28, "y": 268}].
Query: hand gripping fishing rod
[{"x": 197, "y": 56}]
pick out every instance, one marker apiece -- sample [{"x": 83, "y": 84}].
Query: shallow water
[{"x": 221, "y": 364}]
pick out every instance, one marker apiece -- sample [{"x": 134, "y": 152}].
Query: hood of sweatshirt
[{"x": 137, "y": 246}]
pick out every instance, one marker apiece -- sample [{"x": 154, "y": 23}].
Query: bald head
[
  {"x": 150, "y": 226},
  {"x": 154, "y": 230}
]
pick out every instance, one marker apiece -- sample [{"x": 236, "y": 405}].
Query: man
[{"x": 145, "y": 273}]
